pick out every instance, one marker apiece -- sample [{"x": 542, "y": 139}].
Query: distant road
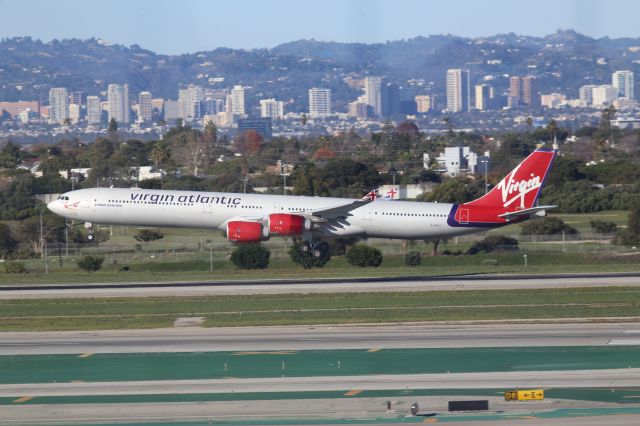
[
  {"x": 420, "y": 283},
  {"x": 193, "y": 339}
]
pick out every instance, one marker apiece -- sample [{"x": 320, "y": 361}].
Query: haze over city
[{"x": 172, "y": 27}]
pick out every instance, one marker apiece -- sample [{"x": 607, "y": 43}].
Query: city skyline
[{"x": 205, "y": 25}]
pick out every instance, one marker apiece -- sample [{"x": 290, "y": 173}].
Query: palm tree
[{"x": 160, "y": 152}]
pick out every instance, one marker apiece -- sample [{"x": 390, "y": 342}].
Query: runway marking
[
  {"x": 373, "y": 350},
  {"x": 86, "y": 355},
  {"x": 631, "y": 332},
  {"x": 353, "y": 392},
  {"x": 77, "y": 381},
  {"x": 632, "y": 396},
  {"x": 528, "y": 417},
  {"x": 22, "y": 399},
  {"x": 264, "y": 353},
  {"x": 431, "y": 420}
]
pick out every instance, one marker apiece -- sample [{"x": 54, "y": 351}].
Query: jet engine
[
  {"x": 246, "y": 232},
  {"x": 287, "y": 224}
]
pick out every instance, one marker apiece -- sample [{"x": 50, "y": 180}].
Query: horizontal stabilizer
[{"x": 533, "y": 211}]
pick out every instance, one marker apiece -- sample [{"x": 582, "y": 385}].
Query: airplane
[{"x": 251, "y": 218}]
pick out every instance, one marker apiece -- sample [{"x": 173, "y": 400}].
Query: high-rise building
[
  {"x": 373, "y": 93},
  {"x": 189, "y": 102},
  {"x": 319, "y": 102},
  {"x": 484, "y": 95},
  {"x": 515, "y": 91},
  {"x": 458, "y": 90},
  {"x": 586, "y": 93},
  {"x": 119, "y": 104},
  {"x": 145, "y": 108},
  {"x": 530, "y": 91},
  {"x": 58, "y": 105},
  {"x": 604, "y": 95},
  {"x": 237, "y": 101},
  {"x": 622, "y": 81},
  {"x": 94, "y": 110},
  {"x": 272, "y": 109},
  {"x": 78, "y": 97},
  {"x": 390, "y": 99},
  {"x": 16, "y": 108},
  {"x": 424, "y": 103}
]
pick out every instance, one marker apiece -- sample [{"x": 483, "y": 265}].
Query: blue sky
[{"x": 169, "y": 26}]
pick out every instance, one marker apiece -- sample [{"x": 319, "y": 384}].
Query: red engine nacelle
[
  {"x": 286, "y": 224},
  {"x": 245, "y": 232}
]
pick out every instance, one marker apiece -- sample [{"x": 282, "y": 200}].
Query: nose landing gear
[{"x": 89, "y": 227}]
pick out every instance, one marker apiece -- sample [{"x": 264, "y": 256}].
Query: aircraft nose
[{"x": 52, "y": 206}]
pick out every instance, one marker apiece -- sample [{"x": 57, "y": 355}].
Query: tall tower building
[
  {"x": 622, "y": 81},
  {"x": 424, "y": 103},
  {"x": 145, "y": 109},
  {"x": 390, "y": 99},
  {"x": 530, "y": 91},
  {"x": 58, "y": 105},
  {"x": 319, "y": 102},
  {"x": 373, "y": 93},
  {"x": 272, "y": 109},
  {"x": 94, "y": 110},
  {"x": 515, "y": 91},
  {"x": 119, "y": 106},
  {"x": 484, "y": 95},
  {"x": 237, "y": 100},
  {"x": 189, "y": 102},
  {"x": 458, "y": 90}
]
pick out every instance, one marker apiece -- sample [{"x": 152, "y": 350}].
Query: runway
[
  {"x": 194, "y": 339},
  {"x": 404, "y": 284}
]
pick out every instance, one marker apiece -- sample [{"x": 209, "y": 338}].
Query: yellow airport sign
[{"x": 524, "y": 395}]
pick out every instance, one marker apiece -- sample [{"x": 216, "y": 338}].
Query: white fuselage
[{"x": 212, "y": 210}]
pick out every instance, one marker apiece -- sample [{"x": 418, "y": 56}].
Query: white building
[
  {"x": 119, "y": 104},
  {"x": 58, "y": 105},
  {"x": 622, "y": 81},
  {"x": 458, "y": 90},
  {"x": 552, "y": 100},
  {"x": 373, "y": 93},
  {"x": 94, "y": 110},
  {"x": 145, "y": 108},
  {"x": 484, "y": 95},
  {"x": 460, "y": 160},
  {"x": 586, "y": 93},
  {"x": 604, "y": 95},
  {"x": 272, "y": 108},
  {"x": 188, "y": 102},
  {"x": 237, "y": 101},
  {"x": 74, "y": 113},
  {"x": 319, "y": 102}
]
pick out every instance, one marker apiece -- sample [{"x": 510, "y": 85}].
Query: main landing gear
[
  {"x": 89, "y": 227},
  {"x": 317, "y": 249}
]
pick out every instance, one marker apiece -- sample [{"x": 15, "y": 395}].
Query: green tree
[
  {"x": 113, "y": 126},
  {"x": 9, "y": 155},
  {"x": 456, "y": 190},
  {"x": 148, "y": 235},
  {"x": 547, "y": 226},
  {"x": 493, "y": 242},
  {"x": 160, "y": 152},
  {"x": 250, "y": 256},
  {"x": 90, "y": 263},
  {"x": 7, "y": 242},
  {"x": 364, "y": 255}
]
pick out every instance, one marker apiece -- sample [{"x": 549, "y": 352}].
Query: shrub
[
  {"x": 250, "y": 256},
  {"x": 602, "y": 227},
  {"x": 90, "y": 263},
  {"x": 547, "y": 226},
  {"x": 306, "y": 259},
  {"x": 15, "y": 268},
  {"x": 412, "y": 258},
  {"x": 493, "y": 242},
  {"x": 363, "y": 255},
  {"x": 148, "y": 235}
]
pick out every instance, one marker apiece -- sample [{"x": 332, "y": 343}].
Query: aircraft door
[{"x": 464, "y": 216}]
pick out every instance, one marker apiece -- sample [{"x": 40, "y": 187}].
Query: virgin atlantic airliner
[{"x": 249, "y": 218}]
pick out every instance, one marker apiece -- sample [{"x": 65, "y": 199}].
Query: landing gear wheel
[
  {"x": 305, "y": 247},
  {"x": 317, "y": 253},
  {"x": 324, "y": 247},
  {"x": 90, "y": 237}
]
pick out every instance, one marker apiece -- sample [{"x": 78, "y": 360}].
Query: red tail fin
[{"x": 519, "y": 190}]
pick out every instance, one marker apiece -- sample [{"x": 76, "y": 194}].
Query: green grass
[
  {"x": 196, "y": 268},
  {"x": 289, "y": 309}
]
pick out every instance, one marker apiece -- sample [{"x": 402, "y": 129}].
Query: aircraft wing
[
  {"x": 335, "y": 212},
  {"x": 533, "y": 211}
]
